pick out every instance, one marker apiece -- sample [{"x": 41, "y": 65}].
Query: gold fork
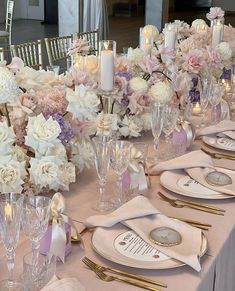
[
  {"x": 219, "y": 155},
  {"x": 180, "y": 203},
  {"x": 127, "y": 274},
  {"x": 109, "y": 278}
]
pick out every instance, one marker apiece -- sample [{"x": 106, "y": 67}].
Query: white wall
[{"x": 227, "y": 5}]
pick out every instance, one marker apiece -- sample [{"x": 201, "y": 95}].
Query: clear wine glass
[
  {"x": 101, "y": 146},
  {"x": 10, "y": 219},
  {"x": 171, "y": 114},
  {"x": 215, "y": 97},
  {"x": 36, "y": 213},
  {"x": 204, "y": 97},
  {"x": 157, "y": 122},
  {"x": 120, "y": 158}
]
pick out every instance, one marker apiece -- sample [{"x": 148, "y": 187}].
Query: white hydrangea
[
  {"x": 225, "y": 51},
  {"x": 131, "y": 126},
  {"x": 138, "y": 84},
  {"x": 161, "y": 92},
  {"x": 106, "y": 123},
  {"x": 42, "y": 134},
  {"x": 12, "y": 174},
  {"x": 83, "y": 102},
  {"x": 9, "y": 88}
]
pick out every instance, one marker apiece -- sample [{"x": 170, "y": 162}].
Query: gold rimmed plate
[
  {"x": 222, "y": 143},
  {"x": 105, "y": 241}
]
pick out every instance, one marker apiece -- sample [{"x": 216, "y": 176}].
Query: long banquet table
[{"x": 218, "y": 264}]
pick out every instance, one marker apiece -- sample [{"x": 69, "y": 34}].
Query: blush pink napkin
[
  {"x": 141, "y": 216},
  {"x": 189, "y": 160},
  {"x": 65, "y": 284},
  {"x": 224, "y": 125}
]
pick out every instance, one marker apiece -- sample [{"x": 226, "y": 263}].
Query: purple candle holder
[{"x": 46, "y": 240}]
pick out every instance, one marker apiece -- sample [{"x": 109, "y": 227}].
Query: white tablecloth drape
[{"x": 95, "y": 16}]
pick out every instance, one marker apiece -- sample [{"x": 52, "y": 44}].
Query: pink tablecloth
[{"x": 218, "y": 264}]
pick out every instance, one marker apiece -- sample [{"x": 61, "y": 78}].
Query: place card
[
  {"x": 217, "y": 178},
  {"x": 165, "y": 236},
  {"x": 190, "y": 185},
  {"x": 131, "y": 245}
]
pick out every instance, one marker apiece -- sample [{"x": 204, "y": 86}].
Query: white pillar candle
[
  {"x": 170, "y": 37},
  {"x": 106, "y": 70},
  {"x": 147, "y": 45},
  {"x": 141, "y": 39},
  {"x": 217, "y": 33}
]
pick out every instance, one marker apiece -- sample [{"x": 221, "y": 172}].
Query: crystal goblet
[
  {"x": 157, "y": 122},
  {"x": 35, "y": 218},
  {"x": 10, "y": 219},
  {"x": 119, "y": 160},
  {"x": 101, "y": 146},
  {"x": 215, "y": 97}
]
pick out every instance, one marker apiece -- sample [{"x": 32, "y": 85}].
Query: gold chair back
[
  {"x": 30, "y": 53},
  {"x": 9, "y": 14},
  {"x": 57, "y": 48},
  {"x": 92, "y": 37}
]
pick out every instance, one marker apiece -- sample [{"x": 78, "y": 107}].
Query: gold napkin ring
[
  {"x": 217, "y": 178},
  {"x": 165, "y": 236}
]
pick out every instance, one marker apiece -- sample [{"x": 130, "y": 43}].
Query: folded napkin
[
  {"x": 224, "y": 125},
  {"x": 66, "y": 284},
  {"x": 191, "y": 160},
  {"x": 199, "y": 175},
  {"x": 141, "y": 216}
]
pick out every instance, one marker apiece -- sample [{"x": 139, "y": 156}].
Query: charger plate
[
  {"x": 223, "y": 143},
  {"x": 179, "y": 182},
  {"x": 109, "y": 242}
]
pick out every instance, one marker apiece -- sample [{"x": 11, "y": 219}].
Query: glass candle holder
[
  {"x": 107, "y": 53},
  {"x": 217, "y": 30}
]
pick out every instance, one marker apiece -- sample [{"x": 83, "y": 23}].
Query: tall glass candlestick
[{"x": 107, "y": 52}]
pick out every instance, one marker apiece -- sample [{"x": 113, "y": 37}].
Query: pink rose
[
  {"x": 138, "y": 102},
  {"x": 215, "y": 12}
]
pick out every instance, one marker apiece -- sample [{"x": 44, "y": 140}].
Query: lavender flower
[
  {"x": 194, "y": 95},
  {"x": 226, "y": 74},
  {"x": 66, "y": 131},
  {"x": 127, "y": 75},
  {"x": 125, "y": 101}
]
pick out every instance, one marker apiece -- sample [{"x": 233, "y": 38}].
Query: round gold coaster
[
  {"x": 217, "y": 178},
  {"x": 165, "y": 236}
]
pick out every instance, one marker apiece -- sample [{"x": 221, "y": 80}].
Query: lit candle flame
[{"x": 8, "y": 210}]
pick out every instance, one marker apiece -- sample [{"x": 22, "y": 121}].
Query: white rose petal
[
  {"x": 9, "y": 88},
  {"x": 106, "y": 123},
  {"x": 7, "y": 137}
]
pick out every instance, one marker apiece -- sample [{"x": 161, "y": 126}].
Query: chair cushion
[{"x": 3, "y": 33}]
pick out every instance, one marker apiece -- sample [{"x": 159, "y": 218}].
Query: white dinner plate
[
  {"x": 222, "y": 143},
  {"x": 103, "y": 242},
  {"x": 179, "y": 182}
]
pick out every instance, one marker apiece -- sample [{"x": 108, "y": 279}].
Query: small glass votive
[
  {"x": 53, "y": 68},
  {"x": 35, "y": 277}
]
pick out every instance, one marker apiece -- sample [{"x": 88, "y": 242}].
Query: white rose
[
  {"x": 83, "y": 102},
  {"x": 82, "y": 154},
  {"x": 45, "y": 172},
  {"x": 225, "y": 51},
  {"x": 151, "y": 31},
  {"x": 7, "y": 137},
  {"x": 161, "y": 92},
  {"x": 42, "y": 134},
  {"x": 12, "y": 174},
  {"x": 138, "y": 84},
  {"x": 9, "y": 88},
  {"x": 106, "y": 123},
  {"x": 131, "y": 127}
]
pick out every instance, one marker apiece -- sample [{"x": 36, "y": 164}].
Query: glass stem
[
  {"x": 156, "y": 143},
  {"x": 10, "y": 264},
  {"x": 203, "y": 119},
  {"x": 35, "y": 250},
  {"x": 119, "y": 185},
  {"x": 214, "y": 114},
  {"x": 102, "y": 187}
]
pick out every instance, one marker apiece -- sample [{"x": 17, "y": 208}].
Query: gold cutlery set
[
  {"x": 100, "y": 272},
  {"x": 219, "y": 155},
  {"x": 180, "y": 203}
]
